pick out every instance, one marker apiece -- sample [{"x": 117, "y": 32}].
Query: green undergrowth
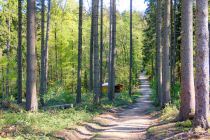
[
  {"x": 42, "y": 124},
  {"x": 175, "y": 93},
  {"x": 167, "y": 126}
]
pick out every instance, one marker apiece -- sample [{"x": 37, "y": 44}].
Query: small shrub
[
  {"x": 187, "y": 123},
  {"x": 169, "y": 113}
]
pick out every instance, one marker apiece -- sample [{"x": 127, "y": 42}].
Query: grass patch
[
  {"x": 169, "y": 113},
  {"x": 184, "y": 126},
  {"x": 42, "y": 124}
]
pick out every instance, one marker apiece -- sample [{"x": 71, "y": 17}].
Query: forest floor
[
  {"x": 136, "y": 122},
  {"x": 128, "y": 123}
]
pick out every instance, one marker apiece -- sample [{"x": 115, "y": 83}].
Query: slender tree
[
  {"x": 202, "y": 65},
  {"x": 31, "y": 95},
  {"x": 101, "y": 49},
  {"x": 131, "y": 47},
  {"x": 173, "y": 63},
  {"x": 19, "y": 53},
  {"x": 165, "y": 58},
  {"x": 187, "y": 79},
  {"x": 47, "y": 48},
  {"x": 96, "y": 50},
  {"x": 91, "y": 53},
  {"x": 8, "y": 22},
  {"x": 111, "y": 85},
  {"x": 78, "y": 99},
  {"x": 42, "y": 89},
  {"x": 159, "y": 52},
  {"x": 56, "y": 52}
]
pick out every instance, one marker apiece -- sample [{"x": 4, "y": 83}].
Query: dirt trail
[{"x": 130, "y": 123}]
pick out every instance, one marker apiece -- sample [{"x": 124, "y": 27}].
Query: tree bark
[
  {"x": 31, "y": 95},
  {"x": 173, "y": 65},
  {"x": 8, "y": 52},
  {"x": 111, "y": 85},
  {"x": 91, "y": 54},
  {"x": 159, "y": 52},
  {"x": 19, "y": 53},
  {"x": 187, "y": 107},
  {"x": 47, "y": 48},
  {"x": 96, "y": 50},
  {"x": 131, "y": 48},
  {"x": 78, "y": 99},
  {"x": 3, "y": 90},
  {"x": 202, "y": 65},
  {"x": 166, "y": 46},
  {"x": 42, "y": 89},
  {"x": 101, "y": 50},
  {"x": 56, "y": 53}
]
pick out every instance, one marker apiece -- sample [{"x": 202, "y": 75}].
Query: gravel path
[
  {"x": 132, "y": 122},
  {"x": 128, "y": 124}
]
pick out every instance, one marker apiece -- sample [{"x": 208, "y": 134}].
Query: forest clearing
[{"x": 104, "y": 69}]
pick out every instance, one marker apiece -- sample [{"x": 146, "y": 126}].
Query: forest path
[
  {"x": 133, "y": 122},
  {"x": 129, "y": 123}
]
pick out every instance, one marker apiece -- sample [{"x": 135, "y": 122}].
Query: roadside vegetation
[{"x": 20, "y": 124}]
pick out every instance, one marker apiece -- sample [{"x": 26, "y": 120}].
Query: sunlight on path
[{"x": 132, "y": 122}]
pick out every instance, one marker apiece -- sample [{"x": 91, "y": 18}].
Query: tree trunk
[
  {"x": 8, "y": 54},
  {"x": 47, "y": 48},
  {"x": 173, "y": 65},
  {"x": 31, "y": 95},
  {"x": 131, "y": 47},
  {"x": 3, "y": 90},
  {"x": 19, "y": 53},
  {"x": 91, "y": 54},
  {"x": 187, "y": 79},
  {"x": 111, "y": 85},
  {"x": 202, "y": 65},
  {"x": 159, "y": 52},
  {"x": 56, "y": 54},
  {"x": 166, "y": 46},
  {"x": 95, "y": 46},
  {"x": 42, "y": 89},
  {"x": 101, "y": 50},
  {"x": 78, "y": 99}
]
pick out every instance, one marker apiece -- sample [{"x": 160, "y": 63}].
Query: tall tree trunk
[
  {"x": 159, "y": 52},
  {"x": 187, "y": 79},
  {"x": 19, "y": 53},
  {"x": 95, "y": 46},
  {"x": 131, "y": 47},
  {"x": 101, "y": 50},
  {"x": 3, "y": 90},
  {"x": 111, "y": 85},
  {"x": 47, "y": 48},
  {"x": 78, "y": 99},
  {"x": 166, "y": 46},
  {"x": 8, "y": 54},
  {"x": 42, "y": 89},
  {"x": 31, "y": 95},
  {"x": 173, "y": 65},
  {"x": 91, "y": 54},
  {"x": 202, "y": 65},
  {"x": 56, "y": 53}
]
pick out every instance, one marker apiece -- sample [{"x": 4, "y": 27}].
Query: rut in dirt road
[{"x": 130, "y": 123}]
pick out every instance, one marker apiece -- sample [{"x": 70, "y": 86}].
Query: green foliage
[
  {"x": 63, "y": 41},
  {"x": 42, "y": 124},
  {"x": 187, "y": 123},
  {"x": 154, "y": 96},
  {"x": 169, "y": 113},
  {"x": 175, "y": 94}
]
